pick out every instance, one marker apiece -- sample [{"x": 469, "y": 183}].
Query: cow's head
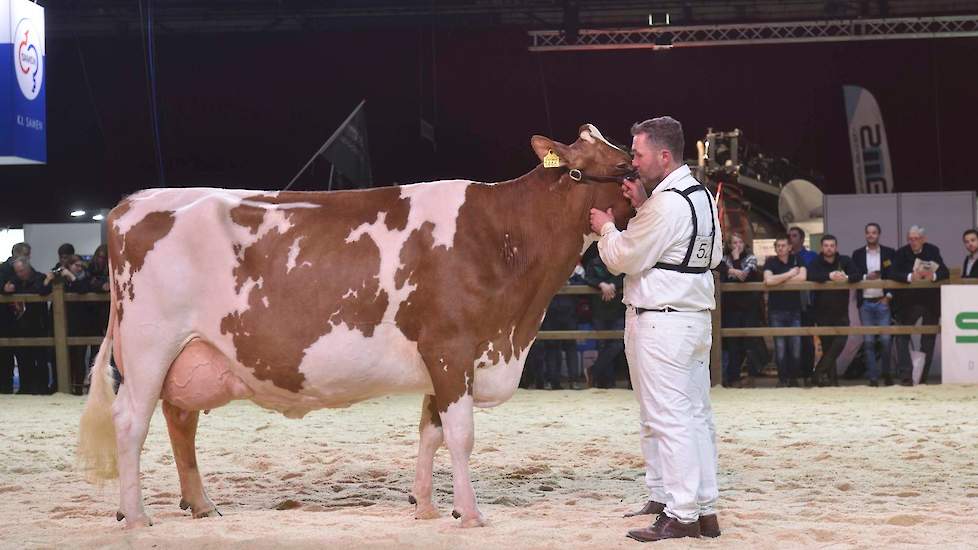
[{"x": 594, "y": 166}]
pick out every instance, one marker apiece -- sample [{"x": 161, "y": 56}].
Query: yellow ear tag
[{"x": 551, "y": 160}]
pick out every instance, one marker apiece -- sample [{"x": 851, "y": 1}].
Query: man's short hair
[
  {"x": 781, "y": 237},
  {"x": 918, "y": 229},
  {"x": 20, "y": 249},
  {"x": 66, "y": 249},
  {"x": 664, "y": 131},
  {"x": 969, "y": 232},
  {"x": 829, "y": 237},
  {"x": 21, "y": 260},
  {"x": 799, "y": 230},
  {"x": 873, "y": 224}
]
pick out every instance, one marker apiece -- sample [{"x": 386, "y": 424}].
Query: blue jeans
[
  {"x": 787, "y": 349},
  {"x": 876, "y": 314}
]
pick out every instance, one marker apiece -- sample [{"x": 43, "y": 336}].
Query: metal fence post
[{"x": 59, "y": 313}]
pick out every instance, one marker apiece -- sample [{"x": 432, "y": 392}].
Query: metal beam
[{"x": 751, "y": 34}]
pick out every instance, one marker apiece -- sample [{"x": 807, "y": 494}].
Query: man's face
[
  {"x": 829, "y": 248},
  {"x": 916, "y": 241},
  {"x": 971, "y": 243},
  {"x": 796, "y": 240},
  {"x": 22, "y": 271},
  {"x": 872, "y": 235},
  {"x": 650, "y": 161},
  {"x": 63, "y": 258},
  {"x": 781, "y": 247}
]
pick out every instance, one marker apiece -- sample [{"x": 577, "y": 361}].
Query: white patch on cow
[
  {"x": 439, "y": 203},
  {"x": 264, "y": 301},
  {"x": 592, "y": 130},
  {"x": 497, "y": 382},
  {"x": 293, "y": 254},
  {"x": 344, "y": 365},
  {"x": 586, "y": 136}
]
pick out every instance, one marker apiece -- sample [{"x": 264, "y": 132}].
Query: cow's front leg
[
  {"x": 431, "y": 437},
  {"x": 457, "y": 422}
]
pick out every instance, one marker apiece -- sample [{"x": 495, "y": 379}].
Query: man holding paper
[{"x": 918, "y": 260}]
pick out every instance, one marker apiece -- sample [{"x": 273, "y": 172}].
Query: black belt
[
  {"x": 641, "y": 310},
  {"x": 873, "y": 299}
]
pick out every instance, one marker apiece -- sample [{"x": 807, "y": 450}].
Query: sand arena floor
[{"x": 851, "y": 467}]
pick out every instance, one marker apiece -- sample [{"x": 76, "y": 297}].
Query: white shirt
[
  {"x": 873, "y": 264},
  {"x": 660, "y": 232}
]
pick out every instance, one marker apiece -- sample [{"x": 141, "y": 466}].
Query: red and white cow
[{"x": 305, "y": 300}]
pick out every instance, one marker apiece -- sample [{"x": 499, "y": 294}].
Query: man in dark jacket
[
  {"x": 970, "y": 268},
  {"x": 909, "y": 265},
  {"x": 31, "y": 322},
  {"x": 831, "y": 307},
  {"x": 874, "y": 262},
  {"x": 7, "y": 320},
  {"x": 607, "y": 313}
]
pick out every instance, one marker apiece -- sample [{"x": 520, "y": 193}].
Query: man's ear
[{"x": 543, "y": 146}]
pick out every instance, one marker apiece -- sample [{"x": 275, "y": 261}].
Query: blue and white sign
[{"x": 23, "y": 123}]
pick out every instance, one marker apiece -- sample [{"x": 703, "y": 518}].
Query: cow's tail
[{"x": 97, "y": 452}]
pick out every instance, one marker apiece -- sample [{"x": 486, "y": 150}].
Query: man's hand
[
  {"x": 9, "y": 288},
  {"x": 49, "y": 277},
  {"x": 838, "y": 276},
  {"x": 607, "y": 291},
  {"x": 105, "y": 287},
  {"x": 873, "y": 276},
  {"x": 599, "y": 218},
  {"x": 634, "y": 191},
  {"x": 921, "y": 276}
]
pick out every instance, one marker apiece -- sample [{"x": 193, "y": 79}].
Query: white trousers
[{"x": 668, "y": 356}]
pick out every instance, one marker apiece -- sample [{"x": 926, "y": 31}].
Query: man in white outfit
[{"x": 666, "y": 254}]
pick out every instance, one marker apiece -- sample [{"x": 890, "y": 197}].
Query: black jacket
[
  {"x": 887, "y": 255},
  {"x": 595, "y": 272},
  {"x": 831, "y": 305},
  {"x": 973, "y": 274},
  {"x": 903, "y": 266}
]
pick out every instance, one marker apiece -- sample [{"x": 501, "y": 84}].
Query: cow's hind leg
[
  {"x": 182, "y": 426},
  {"x": 457, "y": 422},
  {"x": 431, "y": 438},
  {"x": 131, "y": 413}
]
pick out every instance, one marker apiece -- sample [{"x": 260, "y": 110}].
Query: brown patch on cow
[
  {"x": 143, "y": 236},
  {"x": 432, "y": 411},
  {"x": 397, "y": 214},
  {"x": 248, "y": 216},
  {"x": 333, "y": 282},
  {"x": 470, "y": 296}
]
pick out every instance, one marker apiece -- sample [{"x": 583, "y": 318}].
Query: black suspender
[{"x": 685, "y": 267}]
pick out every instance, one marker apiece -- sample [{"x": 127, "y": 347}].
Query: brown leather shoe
[
  {"x": 666, "y": 527},
  {"x": 709, "y": 526},
  {"x": 651, "y": 508}
]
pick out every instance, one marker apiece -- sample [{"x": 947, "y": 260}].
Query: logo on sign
[
  {"x": 967, "y": 320},
  {"x": 28, "y": 62}
]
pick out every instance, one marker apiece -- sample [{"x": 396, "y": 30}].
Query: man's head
[
  {"x": 970, "y": 238},
  {"x": 796, "y": 238},
  {"x": 657, "y": 148},
  {"x": 830, "y": 246},
  {"x": 22, "y": 268},
  {"x": 916, "y": 237},
  {"x": 21, "y": 250},
  {"x": 781, "y": 247},
  {"x": 64, "y": 252},
  {"x": 873, "y": 233}
]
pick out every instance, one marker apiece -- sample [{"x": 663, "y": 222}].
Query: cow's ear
[{"x": 546, "y": 149}]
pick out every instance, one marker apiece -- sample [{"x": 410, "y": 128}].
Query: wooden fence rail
[{"x": 60, "y": 340}]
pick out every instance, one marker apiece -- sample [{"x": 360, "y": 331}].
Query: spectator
[
  {"x": 31, "y": 322},
  {"x": 65, "y": 251},
  {"x": 740, "y": 310},
  {"x": 784, "y": 309},
  {"x": 98, "y": 281},
  {"x": 8, "y": 325},
  {"x": 796, "y": 238},
  {"x": 970, "y": 268},
  {"x": 562, "y": 315},
  {"x": 76, "y": 281},
  {"x": 874, "y": 262},
  {"x": 607, "y": 313},
  {"x": 918, "y": 260},
  {"x": 831, "y": 307}
]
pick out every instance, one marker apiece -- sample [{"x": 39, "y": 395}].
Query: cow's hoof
[
  {"x": 455, "y": 514},
  {"x": 427, "y": 512},
  {"x": 412, "y": 500},
  {"x": 184, "y": 504},
  {"x": 212, "y": 513},
  {"x": 134, "y": 522},
  {"x": 473, "y": 521}
]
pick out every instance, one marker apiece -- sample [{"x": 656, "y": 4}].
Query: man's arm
[
  {"x": 770, "y": 279},
  {"x": 942, "y": 271},
  {"x": 641, "y": 245},
  {"x": 801, "y": 277},
  {"x": 817, "y": 273},
  {"x": 902, "y": 270}
]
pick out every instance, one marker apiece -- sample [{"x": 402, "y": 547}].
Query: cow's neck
[{"x": 548, "y": 224}]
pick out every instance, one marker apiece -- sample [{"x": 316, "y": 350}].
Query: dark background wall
[{"x": 247, "y": 110}]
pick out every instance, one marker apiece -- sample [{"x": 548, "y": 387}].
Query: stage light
[
  {"x": 98, "y": 217},
  {"x": 77, "y": 213}
]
